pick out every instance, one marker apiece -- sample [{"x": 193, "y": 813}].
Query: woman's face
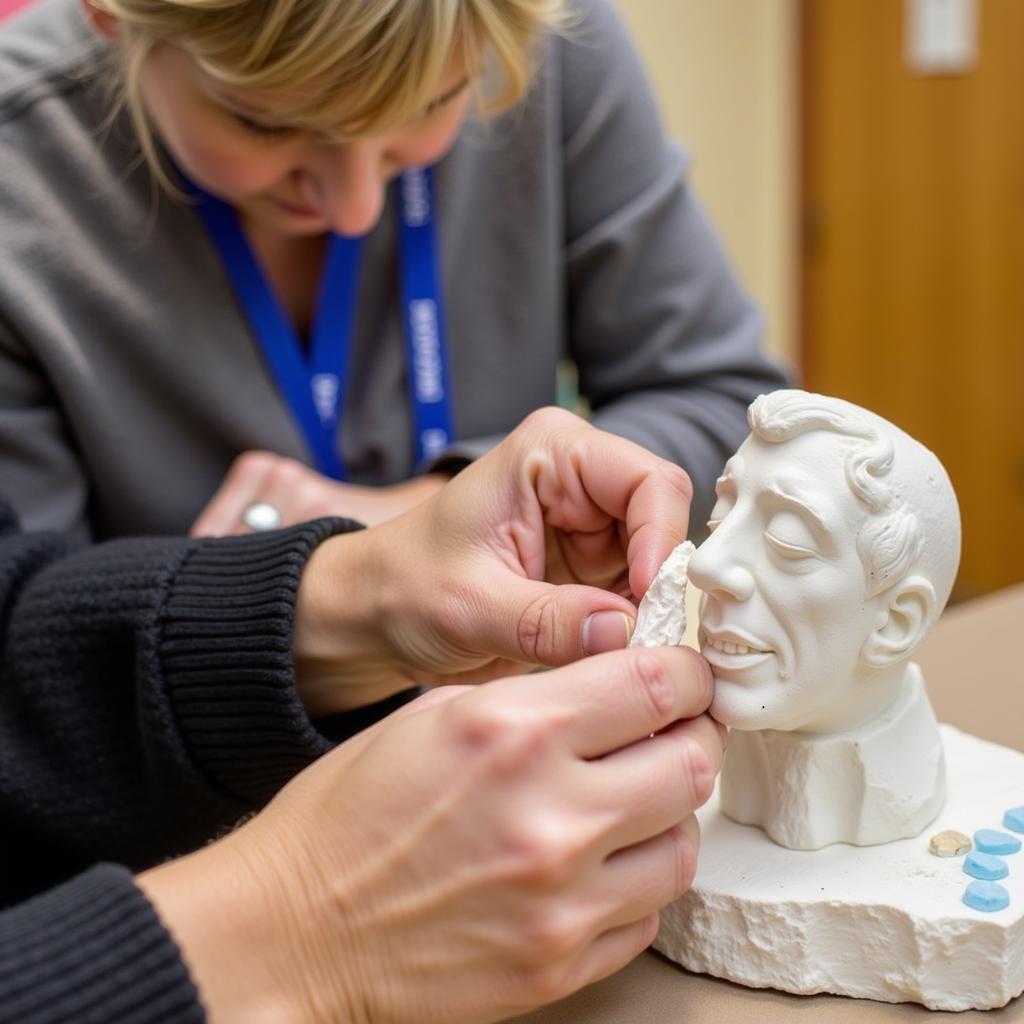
[{"x": 280, "y": 178}]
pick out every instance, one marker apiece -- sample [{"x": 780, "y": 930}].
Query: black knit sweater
[{"x": 147, "y": 702}]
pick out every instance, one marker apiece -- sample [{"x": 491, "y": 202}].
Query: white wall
[{"x": 726, "y": 75}]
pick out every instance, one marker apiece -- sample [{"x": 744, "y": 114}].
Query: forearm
[
  {"x": 148, "y": 693},
  {"x": 224, "y": 918},
  {"x": 350, "y": 587}
]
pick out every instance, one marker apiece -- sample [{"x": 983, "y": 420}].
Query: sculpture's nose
[{"x": 717, "y": 567}]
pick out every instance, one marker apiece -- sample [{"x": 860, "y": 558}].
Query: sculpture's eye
[
  {"x": 790, "y": 536},
  {"x": 789, "y": 550}
]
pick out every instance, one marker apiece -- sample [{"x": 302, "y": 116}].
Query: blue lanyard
[{"x": 314, "y": 386}]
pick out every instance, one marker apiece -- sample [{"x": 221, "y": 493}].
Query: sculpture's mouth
[{"x": 732, "y": 650}]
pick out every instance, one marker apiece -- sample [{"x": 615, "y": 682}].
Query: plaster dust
[{"x": 880, "y": 922}]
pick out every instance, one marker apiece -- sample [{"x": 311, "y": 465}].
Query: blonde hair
[{"x": 365, "y": 66}]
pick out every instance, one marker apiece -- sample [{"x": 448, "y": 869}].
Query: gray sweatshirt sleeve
[
  {"x": 41, "y": 467},
  {"x": 667, "y": 346}
]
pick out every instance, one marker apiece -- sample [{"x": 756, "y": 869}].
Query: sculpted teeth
[{"x": 727, "y": 647}]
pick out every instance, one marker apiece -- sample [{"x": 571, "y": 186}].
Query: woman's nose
[
  {"x": 347, "y": 186},
  {"x": 718, "y": 567}
]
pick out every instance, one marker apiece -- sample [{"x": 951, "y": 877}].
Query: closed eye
[
  {"x": 445, "y": 98},
  {"x": 266, "y": 131},
  {"x": 788, "y": 550}
]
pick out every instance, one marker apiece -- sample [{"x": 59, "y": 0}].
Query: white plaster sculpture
[
  {"x": 835, "y": 542},
  {"x": 833, "y": 548}
]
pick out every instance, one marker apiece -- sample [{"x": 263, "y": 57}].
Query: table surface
[{"x": 977, "y": 684}]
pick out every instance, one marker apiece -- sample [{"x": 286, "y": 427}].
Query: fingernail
[{"x": 605, "y": 631}]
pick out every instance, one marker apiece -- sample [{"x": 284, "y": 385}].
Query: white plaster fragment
[{"x": 661, "y": 619}]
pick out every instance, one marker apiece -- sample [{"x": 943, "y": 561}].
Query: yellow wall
[{"x": 725, "y": 72}]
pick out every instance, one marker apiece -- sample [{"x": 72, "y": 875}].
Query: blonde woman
[{"x": 266, "y": 259}]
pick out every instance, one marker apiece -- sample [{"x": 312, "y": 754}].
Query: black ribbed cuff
[
  {"x": 92, "y": 951},
  {"x": 225, "y": 650}
]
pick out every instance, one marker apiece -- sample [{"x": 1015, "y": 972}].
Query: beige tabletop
[{"x": 976, "y": 681}]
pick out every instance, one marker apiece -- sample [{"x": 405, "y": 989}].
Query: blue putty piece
[
  {"x": 986, "y": 896},
  {"x": 1014, "y": 818},
  {"x": 985, "y": 866},
  {"x": 989, "y": 840}
]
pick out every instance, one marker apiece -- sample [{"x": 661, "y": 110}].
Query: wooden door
[{"x": 912, "y": 261}]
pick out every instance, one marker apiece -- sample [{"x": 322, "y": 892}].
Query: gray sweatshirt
[{"x": 130, "y": 378}]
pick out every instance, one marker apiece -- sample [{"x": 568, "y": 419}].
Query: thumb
[{"x": 554, "y": 625}]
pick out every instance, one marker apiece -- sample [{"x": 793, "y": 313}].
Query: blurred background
[{"x": 863, "y": 161}]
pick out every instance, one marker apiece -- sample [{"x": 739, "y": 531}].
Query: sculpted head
[{"x": 834, "y": 545}]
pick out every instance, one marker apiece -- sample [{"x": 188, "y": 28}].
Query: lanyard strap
[
  {"x": 425, "y": 347},
  {"x": 314, "y": 386}
]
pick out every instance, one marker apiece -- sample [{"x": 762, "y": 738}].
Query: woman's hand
[
  {"x": 300, "y": 493},
  {"x": 480, "y": 852},
  {"x": 534, "y": 554}
]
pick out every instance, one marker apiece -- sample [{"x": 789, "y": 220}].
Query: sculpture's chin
[{"x": 744, "y": 708}]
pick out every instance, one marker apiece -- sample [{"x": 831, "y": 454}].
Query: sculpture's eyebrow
[{"x": 802, "y": 507}]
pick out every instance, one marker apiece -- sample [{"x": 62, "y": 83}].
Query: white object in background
[{"x": 941, "y": 36}]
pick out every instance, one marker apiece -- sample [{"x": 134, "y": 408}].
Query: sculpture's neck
[{"x": 882, "y": 781}]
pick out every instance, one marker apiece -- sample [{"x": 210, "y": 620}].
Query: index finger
[
  {"x": 649, "y": 495},
  {"x": 657, "y": 520}
]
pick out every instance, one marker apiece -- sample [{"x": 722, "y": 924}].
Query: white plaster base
[{"x": 878, "y": 922}]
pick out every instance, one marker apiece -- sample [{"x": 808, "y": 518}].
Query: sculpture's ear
[
  {"x": 903, "y": 618},
  {"x": 102, "y": 21}
]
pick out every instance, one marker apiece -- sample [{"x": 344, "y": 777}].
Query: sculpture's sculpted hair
[
  {"x": 358, "y": 67},
  {"x": 895, "y": 538}
]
